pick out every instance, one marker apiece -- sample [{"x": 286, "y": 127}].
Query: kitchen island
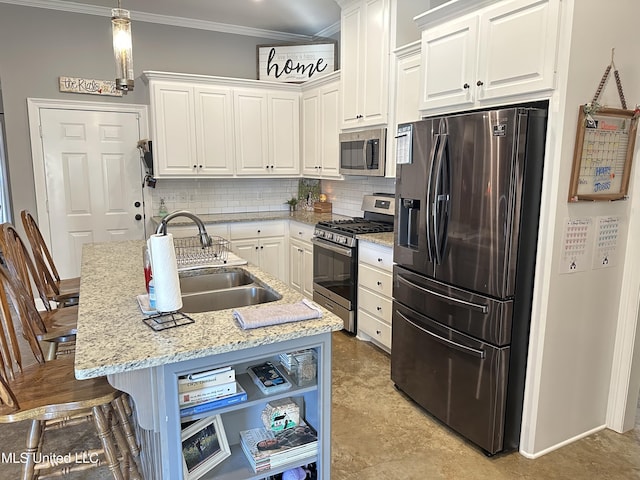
[{"x": 113, "y": 341}]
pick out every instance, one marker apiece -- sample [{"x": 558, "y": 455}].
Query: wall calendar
[{"x": 603, "y": 153}]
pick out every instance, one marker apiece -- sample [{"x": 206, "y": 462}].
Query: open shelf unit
[{"x": 313, "y": 400}]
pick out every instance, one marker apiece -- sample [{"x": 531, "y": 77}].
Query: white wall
[
  {"x": 575, "y": 315},
  {"x": 39, "y": 45}
]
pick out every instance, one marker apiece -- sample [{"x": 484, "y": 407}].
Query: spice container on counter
[{"x": 146, "y": 262}]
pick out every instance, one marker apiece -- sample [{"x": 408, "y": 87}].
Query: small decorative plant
[{"x": 293, "y": 202}]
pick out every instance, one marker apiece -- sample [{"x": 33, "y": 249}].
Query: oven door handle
[
  {"x": 450, "y": 343},
  {"x": 330, "y": 246}
]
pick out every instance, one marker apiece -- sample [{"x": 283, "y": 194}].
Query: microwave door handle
[
  {"x": 450, "y": 343},
  {"x": 470, "y": 305},
  {"x": 434, "y": 152}
]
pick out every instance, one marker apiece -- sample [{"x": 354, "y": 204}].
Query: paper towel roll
[{"x": 164, "y": 269}]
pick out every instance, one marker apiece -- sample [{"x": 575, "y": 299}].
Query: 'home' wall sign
[{"x": 295, "y": 63}]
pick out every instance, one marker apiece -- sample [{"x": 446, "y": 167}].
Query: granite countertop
[
  {"x": 112, "y": 337},
  {"x": 385, "y": 239}
]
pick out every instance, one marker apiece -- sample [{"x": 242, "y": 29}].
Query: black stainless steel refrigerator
[{"x": 467, "y": 209}]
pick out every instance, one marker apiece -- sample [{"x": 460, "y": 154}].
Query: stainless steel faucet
[{"x": 205, "y": 240}]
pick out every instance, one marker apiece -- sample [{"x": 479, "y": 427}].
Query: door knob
[
  {"x": 137, "y": 204},
  {"x": 138, "y": 217}
]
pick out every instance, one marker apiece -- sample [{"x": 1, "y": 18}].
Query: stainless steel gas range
[{"x": 335, "y": 256}]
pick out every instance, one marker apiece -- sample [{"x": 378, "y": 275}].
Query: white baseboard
[{"x": 539, "y": 454}]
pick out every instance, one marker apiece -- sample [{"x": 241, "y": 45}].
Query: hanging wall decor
[
  {"x": 603, "y": 152},
  {"x": 88, "y": 85},
  {"x": 296, "y": 63}
]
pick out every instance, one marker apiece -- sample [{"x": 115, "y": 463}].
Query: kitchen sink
[
  {"x": 215, "y": 281},
  {"x": 228, "y": 298},
  {"x": 219, "y": 290}
]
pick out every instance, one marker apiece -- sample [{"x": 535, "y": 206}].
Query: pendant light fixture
[{"x": 122, "y": 46}]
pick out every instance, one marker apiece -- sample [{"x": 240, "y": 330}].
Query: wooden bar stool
[
  {"x": 47, "y": 394},
  {"x": 57, "y": 326},
  {"x": 63, "y": 291}
]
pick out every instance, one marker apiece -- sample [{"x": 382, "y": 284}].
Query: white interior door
[{"x": 93, "y": 181}]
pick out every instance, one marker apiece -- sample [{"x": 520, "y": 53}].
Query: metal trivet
[{"x": 163, "y": 321}]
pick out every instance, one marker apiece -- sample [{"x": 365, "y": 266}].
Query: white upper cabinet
[
  {"x": 192, "y": 130},
  {"x": 284, "y": 133},
  {"x": 449, "y": 64},
  {"x": 520, "y": 40},
  {"x": 267, "y": 132},
  {"x": 214, "y": 131},
  {"x": 252, "y": 143},
  {"x": 364, "y": 62},
  {"x": 218, "y": 127},
  {"x": 320, "y": 128},
  {"x": 173, "y": 127},
  {"x": 504, "y": 50}
]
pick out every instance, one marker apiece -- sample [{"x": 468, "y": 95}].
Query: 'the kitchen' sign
[{"x": 295, "y": 63}]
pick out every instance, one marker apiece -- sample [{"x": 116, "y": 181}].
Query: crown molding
[{"x": 85, "y": 9}]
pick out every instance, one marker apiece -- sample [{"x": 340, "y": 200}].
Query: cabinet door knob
[
  {"x": 479, "y": 83},
  {"x": 261, "y": 247},
  {"x": 195, "y": 166},
  {"x": 379, "y": 308},
  {"x": 199, "y": 166},
  {"x": 258, "y": 231},
  {"x": 380, "y": 260},
  {"x": 379, "y": 283},
  {"x": 138, "y": 217},
  {"x": 465, "y": 86},
  {"x": 256, "y": 247},
  {"x": 136, "y": 204},
  {"x": 378, "y": 332},
  {"x": 267, "y": 167}
]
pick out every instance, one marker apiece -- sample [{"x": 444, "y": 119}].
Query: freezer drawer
[
  {"x": 479, "y": 316},
  {"x": 459, "y": 380}
]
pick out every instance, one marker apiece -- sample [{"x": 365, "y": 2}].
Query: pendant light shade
[{"x": 122, "y": 46}]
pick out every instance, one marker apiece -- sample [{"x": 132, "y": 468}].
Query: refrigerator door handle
[
  {"x": 430, "y": 231},
  {"x": 470, "y": 305},
  {"x": 458, "y": 346},
  {"x": 440, "y": 206}
]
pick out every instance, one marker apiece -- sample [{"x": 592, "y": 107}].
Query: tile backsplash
[
  {"x": 346, "y": 195},
  {"x": 233, "y": 195}
]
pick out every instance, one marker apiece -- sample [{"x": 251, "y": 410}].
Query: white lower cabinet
[
  {"x": 301, "y": 258},
  {"x": 263, "y": 244},
  {"x": 375, "y": 290}
]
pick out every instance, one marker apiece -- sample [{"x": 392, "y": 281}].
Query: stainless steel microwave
[{"x": 363, "y": 153}]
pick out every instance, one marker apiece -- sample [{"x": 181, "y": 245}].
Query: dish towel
[{"x": 276, "y": 314}]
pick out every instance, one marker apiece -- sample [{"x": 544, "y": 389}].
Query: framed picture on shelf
[{"x": 204, "y": 445}]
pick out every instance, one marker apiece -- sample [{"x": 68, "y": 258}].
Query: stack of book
[
  {"x": 208, "y": 390},
  {"x": 266, "y": 449}
]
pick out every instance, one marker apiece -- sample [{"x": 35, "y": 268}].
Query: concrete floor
[{"x": 378, "y": 434}]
